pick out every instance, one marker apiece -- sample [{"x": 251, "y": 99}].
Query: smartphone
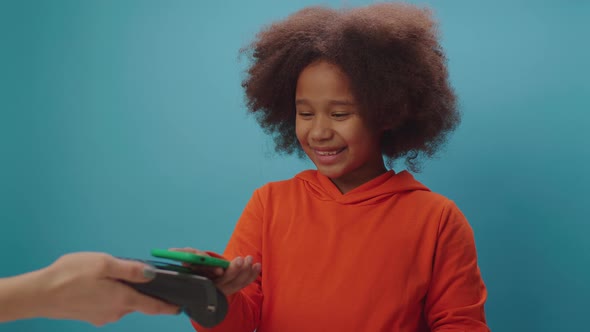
[{"x": 187, "y": 257}]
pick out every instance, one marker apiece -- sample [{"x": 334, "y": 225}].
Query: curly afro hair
[{"x": 392, "y": 56}]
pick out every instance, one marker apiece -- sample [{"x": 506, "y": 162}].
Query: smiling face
[{"x": 330, "y": 128}]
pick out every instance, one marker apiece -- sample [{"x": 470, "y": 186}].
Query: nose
[{"x": 321, "y": 129}]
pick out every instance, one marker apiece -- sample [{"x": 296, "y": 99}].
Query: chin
[{"x": 332, "y": 174}]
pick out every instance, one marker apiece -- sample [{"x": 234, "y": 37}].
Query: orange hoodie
[{"x": 389, "y": 255}]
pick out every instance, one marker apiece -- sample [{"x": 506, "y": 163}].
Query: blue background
[{"x": 123, "y": 128}]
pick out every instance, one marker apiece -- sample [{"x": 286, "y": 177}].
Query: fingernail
[
  {"x": 239, "y": 261},
  {"x": 149, "y": 273}
]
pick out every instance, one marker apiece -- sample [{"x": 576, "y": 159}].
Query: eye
[
  {"x": 304, "y": 114},
  {"x": 340, "y": 115}
]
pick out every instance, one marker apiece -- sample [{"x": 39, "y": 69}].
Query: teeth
[{"x": 327, "y": 153}]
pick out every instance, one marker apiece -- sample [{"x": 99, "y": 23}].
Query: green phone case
[{"x": 188, "y": 257}]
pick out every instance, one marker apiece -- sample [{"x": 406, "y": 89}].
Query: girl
[{"x": 352, "y": 246}]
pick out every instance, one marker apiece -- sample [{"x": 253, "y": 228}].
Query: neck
[{"x": 348, "y": 183}]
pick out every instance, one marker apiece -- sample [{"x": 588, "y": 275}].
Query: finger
[
  {"x": 246, "y": 277},
  {"x": 128, "y": 270},
  {"x": 237, "y": 277},
  {"x": 256, "y": 269},
  {"x": 234, "y": 269}
]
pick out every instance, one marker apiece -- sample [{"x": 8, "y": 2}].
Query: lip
[{"x": 327, "y": 159}]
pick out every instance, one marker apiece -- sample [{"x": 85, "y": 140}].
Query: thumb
[{"x": 129, "y": 271}]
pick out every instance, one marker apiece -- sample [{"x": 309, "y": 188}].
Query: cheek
[
  {"x": 363, "y": 143},
  {"x": 300, "y": 133}
]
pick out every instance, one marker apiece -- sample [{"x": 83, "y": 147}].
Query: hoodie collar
[{"x": 371, "y": 192}]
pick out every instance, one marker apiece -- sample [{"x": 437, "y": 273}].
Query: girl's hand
[{"x": 240, "y": 273}]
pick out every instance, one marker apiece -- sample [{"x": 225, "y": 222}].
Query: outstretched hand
[
  {"x": 86, "y": 286},
  {"x": 241, "y": 272}
]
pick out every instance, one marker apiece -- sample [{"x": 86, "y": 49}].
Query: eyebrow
[{"x": 331, "y": 102}]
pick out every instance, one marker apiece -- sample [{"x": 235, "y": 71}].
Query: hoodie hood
[{"x": 372, "y": 192}]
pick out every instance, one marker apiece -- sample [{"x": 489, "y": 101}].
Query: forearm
[{"x": 23, "y": 296}]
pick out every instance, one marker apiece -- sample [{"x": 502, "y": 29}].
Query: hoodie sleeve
[
  {"x": 456, "y": 297},
  {"x": 244, "y": 306}
]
